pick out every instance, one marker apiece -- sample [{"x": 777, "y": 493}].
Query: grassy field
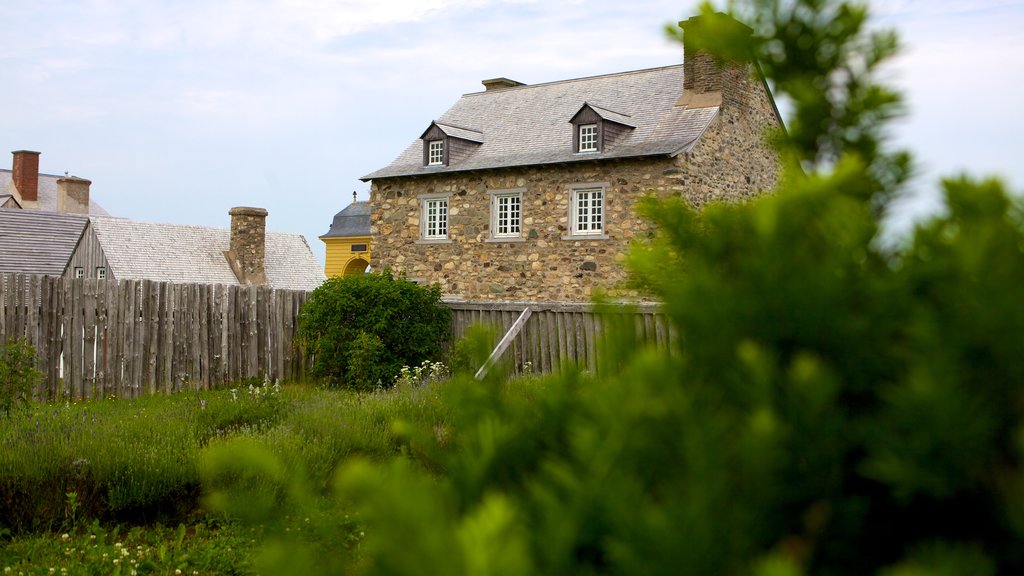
[{"x": 115, "y": 486}]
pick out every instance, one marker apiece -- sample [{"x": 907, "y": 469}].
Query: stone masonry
[
  {"x": 247, "y": 254},
  {"x": 730, "y": 162}
]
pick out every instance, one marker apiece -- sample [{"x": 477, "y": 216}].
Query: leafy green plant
[
  {"x": 346, "y": 317},
  {"x": 835, "y": 405},
  {"x": 18, "y": 374}
]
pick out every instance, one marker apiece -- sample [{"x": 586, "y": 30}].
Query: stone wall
[{"x": 729, "y": 163}]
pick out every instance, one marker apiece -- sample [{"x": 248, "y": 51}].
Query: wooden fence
[
  {"x": 96, "y": 338},
  {"x": 557, "y": 333}
]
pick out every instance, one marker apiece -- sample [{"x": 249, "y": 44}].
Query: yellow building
[{"x": 348, "y": 241}]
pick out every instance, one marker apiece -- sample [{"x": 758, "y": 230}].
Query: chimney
[
  {"x": 25, "y": 174},
  {"x": 708, "y": 81},
  {"x": 500, "y": 84},
  {"x": 73, "y": 195},
  {"x": 247, "y": 254}
]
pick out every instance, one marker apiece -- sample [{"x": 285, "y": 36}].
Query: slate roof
[
  {"x": 47, "y": 198},
  {"x": 195, "y": 254},
  {"x": 38, "y": 242},
  {"x": 529, "y": 125},
  {"x": 354, "y": 220}
]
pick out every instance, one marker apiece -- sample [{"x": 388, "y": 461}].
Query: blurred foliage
[
  {"x": 18, "y": 374},
  {"x": 362, "y": 329},
  {"x": 833, "y": 407}
]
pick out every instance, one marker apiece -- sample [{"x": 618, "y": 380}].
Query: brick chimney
[
  {"x": 247, "y": 254},
  {"x": 707, "y": 81},
  {"x": 73, "y": 195},
  {"x": 25, "y": 174}
]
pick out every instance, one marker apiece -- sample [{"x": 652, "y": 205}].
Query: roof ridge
[
  {"x": 192, "y": 226},
  {"x": 450, "y": 125},
  {"x": 567, "y": 80}
]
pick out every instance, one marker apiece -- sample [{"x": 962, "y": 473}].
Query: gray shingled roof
[
  {"x": 354, "y": 220},
  {"x": 48, "y": 192},
  {"x": 195, "y": 254},
  {"x": 38, "y": 242},
  {"x": 529, "y": 125}
]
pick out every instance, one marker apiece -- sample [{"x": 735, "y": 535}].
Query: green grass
[{"x": 85, "y": 484}]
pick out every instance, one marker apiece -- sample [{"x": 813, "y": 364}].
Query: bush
[
  {"x": 18, "y": 374},
  {"x": 364, "y": 328}
]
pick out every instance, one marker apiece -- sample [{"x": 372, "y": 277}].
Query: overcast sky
[{"x": 178, "y": 110}]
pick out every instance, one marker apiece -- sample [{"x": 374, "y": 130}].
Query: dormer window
[
  {"x": 597, "y": 129},
  {"x": 435, "y": 153},
  {"x": 588, "y": 138},
  {"x": 444, "y": 144}
]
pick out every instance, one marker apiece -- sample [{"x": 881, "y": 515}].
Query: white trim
[
  {"x": 591, "y": 139},
  {"x": 434, "y": 217},
  {"x": 79, "y": 272},
  {"x": 435, "y": 153},
  {"x": 101, "y": 273},
  {"x": 511, "y": 202},
  {"x": 586, "y": 211}
]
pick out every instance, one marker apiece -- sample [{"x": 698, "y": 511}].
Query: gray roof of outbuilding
[
  {"x": 354, "y": 220},
  {"x": 529, "y": 125},
  {"x": 195, "y": 254},
  {"x": 37, "y": 241},
  {"x": 47, "y": 198}
]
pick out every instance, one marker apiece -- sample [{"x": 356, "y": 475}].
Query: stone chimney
[
  {"x": 707, "y": 81},
  {"x": 73, "y": 195},
  {"x": 247, "y": 255},
  {"x": 500, "y": 84},
  {"x": 25, "y": 174}
]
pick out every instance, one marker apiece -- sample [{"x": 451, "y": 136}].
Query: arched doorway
[{"x": 357, "y": 266}]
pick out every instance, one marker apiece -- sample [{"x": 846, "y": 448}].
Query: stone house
[
  {"x": 528, "y": 192},
  {"x": 347, "y": 243}
]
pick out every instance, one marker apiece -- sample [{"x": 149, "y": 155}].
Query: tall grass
[{"x": 136, "y": 461}]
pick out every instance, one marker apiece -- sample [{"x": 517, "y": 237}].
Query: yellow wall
[{"x": 340, "y": 255}]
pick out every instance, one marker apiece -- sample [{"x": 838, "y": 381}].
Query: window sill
[
  {"x": 502, "y": 239},
  {"x": 586, "y": 237},
  {"x": 434, "y": 241}
]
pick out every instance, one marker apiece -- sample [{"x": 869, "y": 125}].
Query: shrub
[
  {"x": 346, "y": 317},
  {"x": 18, "y": 374}
]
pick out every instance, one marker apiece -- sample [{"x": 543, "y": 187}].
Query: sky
[{"x": 178, "y": 110}]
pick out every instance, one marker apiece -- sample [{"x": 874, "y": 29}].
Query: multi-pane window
[
  {"x": 435, "y": 152},
  {"x": 588, "y": 138},
  {"x": 588, "y": 211},
  {"x": 101, "y": 273},
  {"x": 79, "y": 272},
  {"x": 506, "y": 213},
  {"x": 435, "y": 218}
]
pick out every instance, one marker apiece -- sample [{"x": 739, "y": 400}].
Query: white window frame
[
  {"x": 101, "y": 273},
  {"x": 434, "y": 218},
  {"x": 435, "y": 153},
  {"x": 587, "y": 215},
  {"x": 507, "y": 215},
  {"x": 588, "y": 137},
  {"x": 79, "y": 272}
]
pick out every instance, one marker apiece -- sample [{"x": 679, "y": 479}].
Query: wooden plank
[
  {"x": 89, "y": 290},
  {"x": 195, "y": 344},
  {"x": 152, "y": 349},
  {"x": 76, "y": 339},
  {"x": 251, "y": 330},
  {"x": 504, "y": 343},
  {"x": 590, "y": 329},
  {"x": 204, "y": 337}
]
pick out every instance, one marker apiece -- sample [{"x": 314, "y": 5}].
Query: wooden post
[{"x": 503, "y": 344}]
